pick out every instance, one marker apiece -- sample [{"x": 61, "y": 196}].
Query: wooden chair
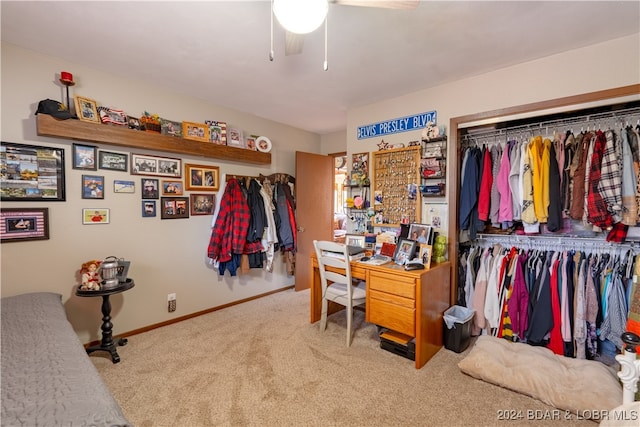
[{"x": 336, "y": 281}]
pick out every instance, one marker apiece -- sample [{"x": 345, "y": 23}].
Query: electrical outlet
[{"x": 171, "y": 298}]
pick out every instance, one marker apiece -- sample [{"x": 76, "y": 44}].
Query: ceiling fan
[{"x": 299, "y": 17}]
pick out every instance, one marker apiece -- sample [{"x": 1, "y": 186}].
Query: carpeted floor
[{"x": 262, "y": 363}]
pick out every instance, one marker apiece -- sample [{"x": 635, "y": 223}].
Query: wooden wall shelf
[{"x": 124, "y": 137}]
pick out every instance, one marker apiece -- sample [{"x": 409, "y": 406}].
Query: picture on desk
[
  {"x": 421, "y": 233},
  {"x": 405, "y": 249},
  {"x": 425, "y": 255}
]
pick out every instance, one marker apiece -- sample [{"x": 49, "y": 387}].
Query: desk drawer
[
  {"x": 393, "y": 284},
  {"x": 392, "y": 316}
]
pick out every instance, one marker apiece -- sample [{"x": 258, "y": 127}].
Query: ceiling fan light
[{"x": 300, "y": 16}]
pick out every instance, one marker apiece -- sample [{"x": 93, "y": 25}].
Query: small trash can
[{"x": 457, "y": 332}]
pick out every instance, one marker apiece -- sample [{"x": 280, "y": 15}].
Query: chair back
[{"x": 333, "y": 264}]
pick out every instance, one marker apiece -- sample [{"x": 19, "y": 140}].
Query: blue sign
[{"x": 403, "y": 124}]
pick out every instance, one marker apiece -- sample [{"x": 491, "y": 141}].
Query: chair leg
[
  {"x": 323, "y": 316},
  {"x": 349, "y": 319}
]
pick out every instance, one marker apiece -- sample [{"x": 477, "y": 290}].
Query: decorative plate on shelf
[{"x": 263, "y": 144}]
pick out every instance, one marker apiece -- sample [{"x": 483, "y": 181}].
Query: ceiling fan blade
[
  {"x": 386, "y": 4},
  {"x": 293, "y": 43}
]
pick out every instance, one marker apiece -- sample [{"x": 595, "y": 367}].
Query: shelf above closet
[{"x": 124, "y": 137}]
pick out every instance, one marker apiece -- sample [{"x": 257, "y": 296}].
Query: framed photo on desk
[{"x": 404, "y": 251}]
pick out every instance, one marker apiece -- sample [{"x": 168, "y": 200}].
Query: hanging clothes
[{"x": 229, "y": 233}]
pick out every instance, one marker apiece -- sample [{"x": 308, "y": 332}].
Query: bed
[{"x": 47, "y": 377}]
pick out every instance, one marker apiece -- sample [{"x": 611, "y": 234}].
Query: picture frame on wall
[
  {"x": 202, "y": 204},
  {"x": 144, "y": 164},
  {"x": 92, "y": 187},
  {"x": 33, "y": 173},
  {"x": 120, "y": 186},
  {"x": 172, "y": 188},
  {"x": 405, "y": 249},
  {"x": 86, "y": 109},
  {"x": 150, "y": 188},
  {"x": 23, "y": 224},
  {"x": 202, "y": 177},
  {"x": 85, "y": 157},
  {"x": 148, "y": 208},
  {"x": 91, "y": 216},
  {"x": 174, "y": 207},
  {"x": 113, "y": 161}
]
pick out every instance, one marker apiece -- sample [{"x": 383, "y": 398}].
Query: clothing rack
[
  {"x": 588, "y": 245},
  {"x": 283, "y": 178},
  {"x": 627, "y": 116}
]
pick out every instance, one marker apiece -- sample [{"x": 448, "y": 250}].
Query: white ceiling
[{"x": 218, "y": 50}]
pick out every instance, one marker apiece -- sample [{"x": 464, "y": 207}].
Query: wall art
[{"x": 20, "y": 224}]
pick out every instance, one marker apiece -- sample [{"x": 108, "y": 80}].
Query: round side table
[{"x": 107, "y": 343}]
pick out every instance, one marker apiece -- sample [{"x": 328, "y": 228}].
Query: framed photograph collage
[{"x": 36, "y": 173}]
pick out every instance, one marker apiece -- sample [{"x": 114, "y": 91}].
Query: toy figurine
[{"x": 90, "y": 276}]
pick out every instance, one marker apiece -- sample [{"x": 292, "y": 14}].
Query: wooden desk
[{"x": 410, "y": 302}]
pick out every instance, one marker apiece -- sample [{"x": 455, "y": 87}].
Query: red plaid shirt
[
  {"x": 229, "y": 233},
  {"x": 597, "y": 212}
]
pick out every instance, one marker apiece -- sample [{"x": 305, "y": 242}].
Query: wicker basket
[{"x": 150, "y": 124}]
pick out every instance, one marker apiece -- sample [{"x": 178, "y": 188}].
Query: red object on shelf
[{"x": 66, "y": 77}]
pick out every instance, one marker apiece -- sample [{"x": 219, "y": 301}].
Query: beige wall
[
  {"x": 167, "y": 255},
  {"x": 597, "y": 67},
  {"x": 335, "y": 142}
]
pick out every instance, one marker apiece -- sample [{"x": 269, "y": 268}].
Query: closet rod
[
  {"x": 584, "y": 119},
  {"x": 551, "y": 242}
]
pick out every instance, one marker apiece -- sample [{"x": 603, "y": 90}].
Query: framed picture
[
  {"x": 250, "y": 143},
  {"x": 195, "y": 131},
  {"x": 421, "y": 233},
  {"x": 425, "y": 255},
  {"x": 150, "y": 188},
  {"x": 86, "y": 109},
  {"x": 202, "y": 177},
  {"x": 202, "y": 204},
  {"x": 133, "y": 123},
  {"x": 20, "y": 224},
  {"x": 31, "y": 173},
  {"x": 124, "y": 186},
  {"x": 360, "y": 163},
  {"x": 171, "y": 188},
  {"x": 112, "y": 116},
  {"x": 174, "y": 207},
  {"x": 355, "y": 240},
  {"x": 405, "y": 249},
  {"x": 171, "y": 128},
  {"x": 113, "y": 161},
  {"x": 92, "y": 187},
  {"x": 148, "y": 208},
  {"x": 217, "y": 132},
  {"x": 84, "y": 157},
  {"x": 142, "y": 164},
  {"x": 234, "y": 138},
  {"x": 95, "y": 216}
]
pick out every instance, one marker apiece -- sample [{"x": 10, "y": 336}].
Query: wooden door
[{"x": 314, "y": 209}]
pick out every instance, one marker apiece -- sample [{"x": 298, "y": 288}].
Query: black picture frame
[
  {"x": 23, "y": 224},
  {"x": 45, "y": 164},
  {"x": 85, "y": 157},
  {"x": 150, "y": 188},
  {"x": 148, "y": 208},
  {"x": 113, "y": 161},
  {"x": 405, "y": 251},
  {"x": 92, "y": 187},
  {"x": 174, "y": 207}
]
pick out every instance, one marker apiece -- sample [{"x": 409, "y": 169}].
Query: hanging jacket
[{"x": 229, "y": 233}]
